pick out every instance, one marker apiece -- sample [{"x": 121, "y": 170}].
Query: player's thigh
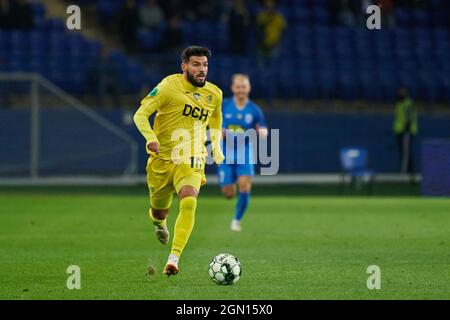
[
  {"x": 161, "y": 200},
  {"x": 188, "y": 178},
  {"x": 245, "y": 173},
  {"x": 160, "y": 184}
]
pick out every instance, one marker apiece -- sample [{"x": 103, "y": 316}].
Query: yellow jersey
[{"x": 183, "y": 113}]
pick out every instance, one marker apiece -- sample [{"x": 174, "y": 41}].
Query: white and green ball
[{"x": 225, "y": 269}]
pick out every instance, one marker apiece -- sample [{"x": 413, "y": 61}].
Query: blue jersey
[{"x": 237, "y": 121}]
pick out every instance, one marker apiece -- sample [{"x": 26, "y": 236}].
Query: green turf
[{"x": 290, "y": 248}]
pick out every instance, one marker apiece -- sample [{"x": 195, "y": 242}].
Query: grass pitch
[{"x": 291, "y": 247}]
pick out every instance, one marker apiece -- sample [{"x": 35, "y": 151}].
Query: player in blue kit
[{"x": 240, "y": 116}]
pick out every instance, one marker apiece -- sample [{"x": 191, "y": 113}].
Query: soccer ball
[{"x": 225, "y": 269}]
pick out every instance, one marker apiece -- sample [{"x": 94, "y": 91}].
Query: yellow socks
[{"x": 184, "y": 224}]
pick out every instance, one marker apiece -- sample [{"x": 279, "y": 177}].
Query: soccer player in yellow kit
[{"x": 185, "y": 104}]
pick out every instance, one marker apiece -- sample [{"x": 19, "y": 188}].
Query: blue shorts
[{"x": 228, "y": 173}]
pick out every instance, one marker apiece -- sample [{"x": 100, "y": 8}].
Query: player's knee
[
  {"x": 245, "y": 186},
  {"x": 160, "y": 214},
  {"x": 188, "y": 191}
]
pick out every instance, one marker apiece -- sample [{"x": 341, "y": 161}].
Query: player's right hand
[{"x": 153, "y": 146}]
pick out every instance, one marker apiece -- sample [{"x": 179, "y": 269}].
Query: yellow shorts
[{"x": 165, "y": 177}]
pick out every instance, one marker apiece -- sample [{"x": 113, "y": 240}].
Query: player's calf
[
  {"x": 158, "y": 218},
  {"x": 229, "y": 191}
]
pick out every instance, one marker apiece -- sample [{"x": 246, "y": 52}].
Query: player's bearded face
[{"x": 196, "y": 70}]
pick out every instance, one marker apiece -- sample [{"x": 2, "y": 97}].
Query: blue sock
[{"x": 242, "y": 204}]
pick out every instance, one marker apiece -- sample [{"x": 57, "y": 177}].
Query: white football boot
[
  {"x": 171, "y": 267},
  {"x": 236, "y": 225},
  {"x": 162, "y": 234}
]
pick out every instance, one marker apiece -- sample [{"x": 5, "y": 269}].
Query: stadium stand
[
  {"x": 349, "y": 63},
  {"x": 52, "y": 51}
]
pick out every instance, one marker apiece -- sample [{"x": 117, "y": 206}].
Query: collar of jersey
[
  {"x": 239, "y": 109},
  {"x": 189, "y": 86}
]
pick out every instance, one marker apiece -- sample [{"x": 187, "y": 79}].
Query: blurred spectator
[
  {"x": 348, "y": 12},
  {"x": 341, "y": 13},
  {"x": 170, "y": 7},
  {"x": 172, "y": 39},
  {"x": 405, "y": 128},
  {"x": 239, "y": 27},
  {"x": 151, "y": 15},
  {"x": 4, "y": 14},
  {"x": 271, "y": 25},
  {"x": 363, "y": 11},
  {"x": 20, "y": 15},
  {"x": 129, "y": 24},
  {"x": 195, "y": 10},
  {"x": 104, "y": 78}
]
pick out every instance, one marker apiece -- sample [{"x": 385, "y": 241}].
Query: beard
[{"x": 193, "y": 80}]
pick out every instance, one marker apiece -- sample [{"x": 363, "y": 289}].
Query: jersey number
[{"x": 197, "y": 163}]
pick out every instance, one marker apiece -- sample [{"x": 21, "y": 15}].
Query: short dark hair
[{"x": 195, "y": 51}]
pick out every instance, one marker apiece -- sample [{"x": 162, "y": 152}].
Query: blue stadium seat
[
  {"x": 429, "y": 87},
  {"x": 421, "y": 18},
  {"x": 402, "y": 35},
  {"x": 38, "y": 9},
  {"x": 327, "y": 84},
  {"x": 108, "y": 8},
  {"x": 441, "y": 18},
  {"x": 308, "y": 84},
  {"x": 54, "y": 25},
  {"x": 343, "y": 33},
  {"x": 149, "y": 40},
  {"x": 287, "y": 83},
  {"x": 444, "y": 78},
  {"x": 321, "y": 15},
  {"x": 302, "y": 16},
  {"x": 441, "y": 35},
  {"x": 403, "y": 17},
  {"x": 370, "y": 86},
  {"x": 354, "y": 162},
  {"x": 347, "y": 86},
  {"x": 304, "y": 50},
  {"x": 344, "y": 50}
]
